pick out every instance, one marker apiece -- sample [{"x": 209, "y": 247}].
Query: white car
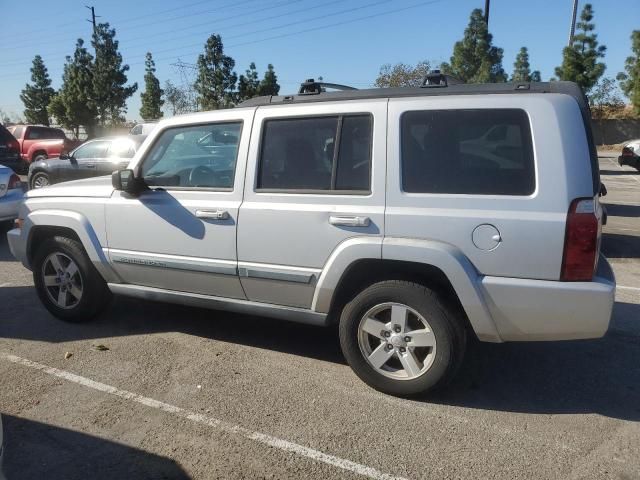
[
  {"x": 11, "y": 195},
  {"x": 362, "y": 208},
  {"x": 631, "y": 154}
]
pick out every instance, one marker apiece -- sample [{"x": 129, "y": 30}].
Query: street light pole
[
  {"x": 573, "y": 22},
  {"x": 486, "y": 11}
]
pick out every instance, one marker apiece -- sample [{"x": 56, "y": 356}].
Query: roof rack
[
  {"x": 435, "y": 78},
  {"x": 311, "y": 87}
]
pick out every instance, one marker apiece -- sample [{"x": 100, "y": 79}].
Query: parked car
[
  {"x": 38, "y": 142},
  {"x": 9, "y": 149},
  {"x": 631, "y": 155},
  {"x": 93, "y": 158},
  {"x": 355, "y": 207},
  {"x": 2, "y": 477},
  {"x": 143, "y": 128},
  {"x": 11, "y": 194}
]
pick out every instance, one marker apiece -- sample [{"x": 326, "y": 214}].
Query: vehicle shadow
[
  {"x": 35, "y": 450},
  {"x": 616, "y": 245},
  {"x": 597, "y": 376},
  {"x": 617, "y": 210},
  {"x": 620, "y": 172}
]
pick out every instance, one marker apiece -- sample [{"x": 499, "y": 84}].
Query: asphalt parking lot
[{"x": 188, "y": 393}]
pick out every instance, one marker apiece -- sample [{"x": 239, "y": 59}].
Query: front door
[
  {"x": 181, "y": 234},
  {"x": 86, "y": 159},
  {"x": 313, "y": 183}
]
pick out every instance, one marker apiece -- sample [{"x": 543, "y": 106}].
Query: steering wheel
[{"x": 200, "y": 173}]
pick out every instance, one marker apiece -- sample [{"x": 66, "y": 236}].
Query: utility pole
[
  {"x": 573, "y": 22},
  {"x": 93, "y": 18},
  {"x": 486, "y": 12}
]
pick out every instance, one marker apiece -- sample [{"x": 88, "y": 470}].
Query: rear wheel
[
  {"x": 39, "y": 157},
  {"x": 401, "y": 338},
  {"x": 67, "y": 283},
  {"x": 39, "y": 180}
]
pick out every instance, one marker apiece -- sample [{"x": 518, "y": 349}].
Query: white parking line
[
  {"x": 206, "y": 420},
  {"x": 618, "y": 165},
  {"x": 624, "y": 287}
]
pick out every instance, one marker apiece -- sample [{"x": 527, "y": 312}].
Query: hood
[{"x": 96, "y": 187}]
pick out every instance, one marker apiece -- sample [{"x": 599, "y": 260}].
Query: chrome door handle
[
  {"x": 349, "y": 221},
  {"x": 213, "y": 214}
]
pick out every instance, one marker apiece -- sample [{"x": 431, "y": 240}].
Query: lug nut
[
  {"x": 407, "y": 339},
  {"x": 389, "y": 346},
  {"x": 402, "y": 349},
  {"x": 397, "y": 329},
  {"x": 386, "y": 334}
]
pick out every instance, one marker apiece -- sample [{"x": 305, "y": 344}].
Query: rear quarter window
[{"x": 476, "y": 152}]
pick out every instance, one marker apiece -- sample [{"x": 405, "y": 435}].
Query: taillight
[
  {"x": 13, "y": 145},
  {"x": 581, "y": 242},
  {"x": 627, "y": 152},
  {"x": 14, "y": 182}
]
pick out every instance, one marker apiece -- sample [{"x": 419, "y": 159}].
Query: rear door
[
  {"x": 315, "y": 179},
  {"x": 118, "y": 156}
]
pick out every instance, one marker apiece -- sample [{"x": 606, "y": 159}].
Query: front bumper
[
  {"x": 10, "y": 203},
  {"x": 632, "y": 161},
  {"x": 547, "y": 310}
]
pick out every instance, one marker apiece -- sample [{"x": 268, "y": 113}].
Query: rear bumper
[
  {"x": 546, "y": 310},
  {"x": 18, "y": 246}
]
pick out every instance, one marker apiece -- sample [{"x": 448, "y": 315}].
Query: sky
[{"x": 344, "y": 41}]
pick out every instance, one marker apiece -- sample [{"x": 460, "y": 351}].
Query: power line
[
  {"x": 122, "y": 39},
  {"x": 299, "y": 32}
]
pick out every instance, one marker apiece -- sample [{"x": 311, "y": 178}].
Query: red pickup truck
[{"x": 39, "y": 142}]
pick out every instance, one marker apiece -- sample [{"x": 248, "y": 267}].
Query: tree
[
  {"x": 74, "y": 106},
  {"x": 176, "y": 97},
  {"x": 36, "y": 97},
  {"x": 580, "y": 59},
  {"x": 475, "y": 59},
  {"x": 630, "y": 79},
  {"x": 604, "y": 99},
  {"x": 248, "y": 83},
  {"x": 269, "y": 83},
  {"x": 216, "y": 79},
  {"x": 522, "y": 69},
  {"x": 152, "y": 96},
  {"x": 109, "y": 77},
  {"x": 402, "y": 75}
]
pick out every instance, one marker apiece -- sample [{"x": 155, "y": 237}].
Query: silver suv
[{"x": 414, "y": 218}]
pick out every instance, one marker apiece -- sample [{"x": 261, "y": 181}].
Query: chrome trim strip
[
  {"x": 293, "y": 314},
  {"x": 278, "y": 272},
  {"x": 175, "y": 262}
]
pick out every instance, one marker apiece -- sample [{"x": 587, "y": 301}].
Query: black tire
[
  {"x": 39, "y": 157},
  {"x": 95, "y": 293},
  {"x": 445, "y": 322},
  {"x": 36, "y": 176}
]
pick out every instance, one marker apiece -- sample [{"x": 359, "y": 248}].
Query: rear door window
[
  {"x": 481, "y": 152},
  {"x": 44, "y": 133},
  {"x": 327, "y": 153}
]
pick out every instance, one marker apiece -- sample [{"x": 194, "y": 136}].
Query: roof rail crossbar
[
  {"x": 311, "y": 87},
  {"x": 435, "y": 78}
]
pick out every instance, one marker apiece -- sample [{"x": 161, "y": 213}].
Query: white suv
[{"x": 416, "y": 218}]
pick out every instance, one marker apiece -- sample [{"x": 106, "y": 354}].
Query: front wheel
[
  {"x": 39, "y": 180},
  {"x": 67, "y": 283},
  {"x": 401, "y": 339}
]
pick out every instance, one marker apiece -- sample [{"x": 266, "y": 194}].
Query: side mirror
[
  {"x": 64, "y": 156},
  {"x": 125, "y": 180}
]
